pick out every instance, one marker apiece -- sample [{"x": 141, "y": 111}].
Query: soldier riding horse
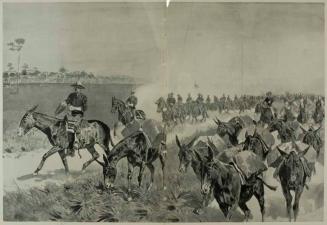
[{"x": 125, "y": 113}]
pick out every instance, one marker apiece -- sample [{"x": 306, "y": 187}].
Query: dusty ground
[{"x": 174, "y": 204}]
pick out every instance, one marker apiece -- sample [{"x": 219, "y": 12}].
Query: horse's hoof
[
  {"x": 198, "y": 211},
  {"x": 129, "y": 199},
  {"x": 35, "y": 173}
]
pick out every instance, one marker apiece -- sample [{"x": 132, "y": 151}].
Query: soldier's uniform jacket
[
  {"x": 171, "y": 101},
  {"x": 269, "y": 100},
  {"x": 132, "y": 101},
  {"x": 179, "y": 99},
  {"x": 199, "y": 99},
  {"x": 77, "y": 103},
  {"x": 189, "y": 99}
]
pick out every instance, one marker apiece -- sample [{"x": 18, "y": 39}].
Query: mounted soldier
[
  {"x": 189, "y": 98},
  {"x": 131, "y": 102},
  {"x": 179, "y": 99},
  {"x": 76, "y": 103},
  {"x": 208, "y": 100},
  {"x": 199, "y": 99},
  {"x": 171, "y": 101}
]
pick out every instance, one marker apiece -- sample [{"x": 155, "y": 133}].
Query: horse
[
  {"x": 266, "y": 114},
  {"x": 198, "y": 110},
  {"x": 293, "y": 172},
  {"x": 224, "y": 180},
  {"x": 168, "y": 117},
  {"x": 91, "y": 132},
  {"x": 139, "y": 152},
  {"x": 125, "y": 114}
]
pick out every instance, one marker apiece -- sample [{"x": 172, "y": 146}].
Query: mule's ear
[
  {"x": 190, "y": 145},
  {"x": 281, "y": 152},
  {"x": 316, "y": 131},
  {"x": 178, "y": 142},
  {"x": 33, "y": 108},
  {"x": 301, "y": 154},
  {"x": 304, "y": 130},
  {"x": 105, "y": 160},
  {"x": 210, "y": 155},
  {"x": 198, "y": 156}
]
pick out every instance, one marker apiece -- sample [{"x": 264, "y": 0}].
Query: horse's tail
[{"x": 107, "y": 139}]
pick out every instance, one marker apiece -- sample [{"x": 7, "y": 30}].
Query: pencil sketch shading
[{"x": 138, "y": 112}]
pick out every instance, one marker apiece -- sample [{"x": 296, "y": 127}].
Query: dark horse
[
  {"x": 125, "y": 115},
  {"x": 139, "y": 152},
  {"x": 224, "y": 180},
  {"x": 94, "y": 132},
  {"x": 293, "y": 172}
]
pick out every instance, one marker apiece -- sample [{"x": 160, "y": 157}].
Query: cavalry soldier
[
  {"x": 179, "y": 99},
  {"x": 131, "y": 102},
  {"x": 171, "y": 101},
  {"x": 268, "y": 101},
  {"x": 208, "y": 100},
  {"x": 76, "y": 103},
  {"x": 189, "y": 98},
  {"x": 199, "y": 99}
]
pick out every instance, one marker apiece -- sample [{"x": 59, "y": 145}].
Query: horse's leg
[
  {"x": 288, "y": 198},
  {"x": 232, "y": 210},
  {"x": 298, "y": 193},
  {"x": 163, "y": 163},
  {"x": 151, "y": 168},
  {"x": 64, "y": 160},
  {"x": 259, "y": 194},
  {"x": 139, "y": 178},
  {"x": 94, "y": 153},
  {"x": 206, "y": 199},
  {"x": 245, "y": 210},
  {"x": 45, "y": 156},
  {"x": 129, "y": 176}
]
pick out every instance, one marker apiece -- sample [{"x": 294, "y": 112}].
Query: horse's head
[
  {"x": 27, "y": 122},
  {"x": 185, "y": 154},
  {"x": 109, "y": 173},
  {"x": 206, "y": 171}
]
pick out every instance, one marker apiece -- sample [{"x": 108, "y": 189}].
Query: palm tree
[{"x": 17, "y": 45}]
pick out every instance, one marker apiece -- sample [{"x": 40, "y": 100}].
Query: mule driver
[
  {"x": 76, "y": 103},
  {"x": 131, "y": 102}
]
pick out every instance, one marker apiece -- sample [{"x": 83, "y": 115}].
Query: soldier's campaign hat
[{"x": 78, "y": 85}]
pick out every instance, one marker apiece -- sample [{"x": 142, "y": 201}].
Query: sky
[{"x": 223, "y": 47}]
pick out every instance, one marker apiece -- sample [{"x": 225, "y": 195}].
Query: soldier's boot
[{"x": 71, "y": 140}]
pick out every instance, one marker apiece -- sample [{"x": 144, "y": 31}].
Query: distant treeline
[{"x": 36, "y": 76}]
